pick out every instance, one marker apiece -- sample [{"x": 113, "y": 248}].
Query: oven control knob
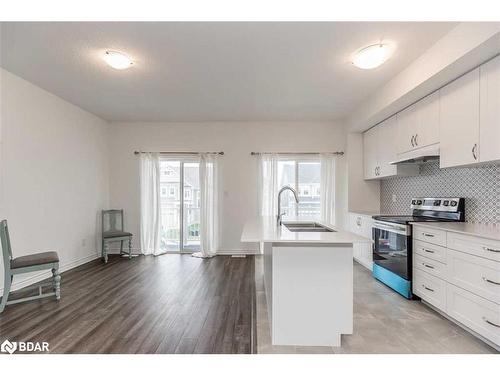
[
  {"x": 437, "y": 202},
  {"x": 446, "y": 203},
  {"x": 414, "y": 201},
  {"x": 419, "y": 202},
  {"x": 453, "y": 203}
]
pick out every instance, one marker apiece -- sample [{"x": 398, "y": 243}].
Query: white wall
[
  {"x": 54, "y": 173},
  {"x": 238, "y": 170}
]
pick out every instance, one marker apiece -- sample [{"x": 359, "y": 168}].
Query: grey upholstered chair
[
  {"x": 112, "y": 231},
  {"x": 28, "y": 263}
]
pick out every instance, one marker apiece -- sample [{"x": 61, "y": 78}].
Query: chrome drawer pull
[
  {"x": 429, "y": 251},
  {"x": 426, "y": 265},
  {"x": 429, "y": 289},
  {"x": 490, "y": 249},
  {"x": 490, "y": 281},
  {"x": 493, "y": 324},
  {"x": 428, "y": 235}
]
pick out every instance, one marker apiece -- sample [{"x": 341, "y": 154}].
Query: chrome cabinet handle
[
  {"x": 474, "y": 148},
  {"x": 429, "y": 251},
  {"x": 490, "y": 281},
  {"x": 427, "y": 235},
  {"x": 426, "y": 265},
  {"x": 490, "y": 249},
  {"x": 412, "y": 139},
  {"x": 491, "y": 323},
  {"x": 429, "y": 289},
  {"x": 416, "y": 136}
]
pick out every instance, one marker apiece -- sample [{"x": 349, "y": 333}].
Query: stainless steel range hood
[{"x": 420, "y": 156}]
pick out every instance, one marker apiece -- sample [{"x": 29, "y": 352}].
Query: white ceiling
[{"x": 211, "y": 71}]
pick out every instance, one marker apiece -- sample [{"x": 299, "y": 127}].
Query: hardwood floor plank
[{"x": 167, "y": 304}]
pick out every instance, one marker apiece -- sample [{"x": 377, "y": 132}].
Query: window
[
  {"x": 180, "y": 216},
  {"x": 305, "y": 177}
]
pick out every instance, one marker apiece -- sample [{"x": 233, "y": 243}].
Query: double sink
[{"x": 307, "y": 227}]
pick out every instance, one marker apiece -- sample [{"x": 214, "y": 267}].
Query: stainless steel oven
[{"x": 392, "y": 247}]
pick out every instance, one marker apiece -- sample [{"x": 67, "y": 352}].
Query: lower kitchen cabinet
[
  {"x": 361, "y": 224},
  {"x": 455, "y": 273}
]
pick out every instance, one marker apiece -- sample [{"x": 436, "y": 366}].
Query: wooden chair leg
[
  {"x": 57, "y": 281},
  {"x": 6, "y": 290}
]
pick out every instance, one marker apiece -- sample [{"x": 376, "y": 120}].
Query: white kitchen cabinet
[
  {"x": 387, "y": 148},
  {"x": 489, "y": 130},
  {"x": 370, "y": 153},
  {"x": 380, "y": 149},
  {"x": 428, "y": 121},
  {"x": 362, "y": 225},
  {"x": 418, "y": 125},
  {"x": 459, "y": 121},
  {"x": 407, "y": 128}
]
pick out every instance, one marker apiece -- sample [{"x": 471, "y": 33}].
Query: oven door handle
[{"x": 391, "y": 228}]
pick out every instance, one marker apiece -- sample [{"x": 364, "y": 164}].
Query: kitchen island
[{"x": 308, "y": 277}]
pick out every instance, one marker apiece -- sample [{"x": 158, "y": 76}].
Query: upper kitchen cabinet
[
  {"x": 380, "y": 149},
  {"x": 370, "y": 153},
  {"x": 489, "y": 128},
  {"x": 418, "y": 125},
  {"x": 459, "y": 121}
]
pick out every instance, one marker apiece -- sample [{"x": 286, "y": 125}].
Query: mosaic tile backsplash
[{"x": 480, "y": 186}]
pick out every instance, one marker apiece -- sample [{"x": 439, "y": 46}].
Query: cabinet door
[
  {"x": 407, "y": 128},
  {"x": 459, "y": 121},
  {"x": 428, "y": 121},
  {"x": 370, "y": 153},
  {"x": 387, "y": 147},
  {"x": 489, "y": 131}
]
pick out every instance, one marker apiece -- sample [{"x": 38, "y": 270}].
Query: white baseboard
[
  {"x": 238, "y": 252},
  {"x": 39, "y": 276}
]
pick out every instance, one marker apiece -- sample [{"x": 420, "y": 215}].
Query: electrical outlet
[{"x": 394, "y": 198}]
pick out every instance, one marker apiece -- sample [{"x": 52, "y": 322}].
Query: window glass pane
[
  {"x": 286, "y": 176},
  {"x": 309, "y": 176},
  {"x": 170, "y": 205},
  {"x": 191, "y": 206}
]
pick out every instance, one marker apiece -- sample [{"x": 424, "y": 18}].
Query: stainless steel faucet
[{"x": 279, "y": 201}]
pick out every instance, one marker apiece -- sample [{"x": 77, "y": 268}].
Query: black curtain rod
[
  {"x": 298, "y": 153},
  {"x": 180, "y": 152}
]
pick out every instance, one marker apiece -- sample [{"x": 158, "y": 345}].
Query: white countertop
[
  {"x": 265, "y": 229},
  {"x": 480, "y": 230}
]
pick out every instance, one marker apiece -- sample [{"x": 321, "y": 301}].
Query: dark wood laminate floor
[{"x": 166, "y": 304}]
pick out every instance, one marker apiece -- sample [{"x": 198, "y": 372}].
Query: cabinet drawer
[
  {"x": 429, "y": 250},
  {"x": 482, "y": 247},
  {"x": 431, "y": 266},
  {"x": 429, "y": 288},
  {"x": 430, "y": 235},
  {"x": 477, "y": 275},
  {"x": 479, "y": 314}
]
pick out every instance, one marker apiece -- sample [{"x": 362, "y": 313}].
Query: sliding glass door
[{"x": 180, "y": 205}]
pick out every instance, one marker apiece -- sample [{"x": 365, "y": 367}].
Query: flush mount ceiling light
[
  {"x": 372, "y": 56},
  {"x": 117, "y": 60}
]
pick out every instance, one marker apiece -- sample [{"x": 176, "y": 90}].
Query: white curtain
[
  {"x": 327, "y": 188},
  {"x": 150, "y": 203},
  {"x": 209, "y": 231},
  {"x": 268, "y": 165}
]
